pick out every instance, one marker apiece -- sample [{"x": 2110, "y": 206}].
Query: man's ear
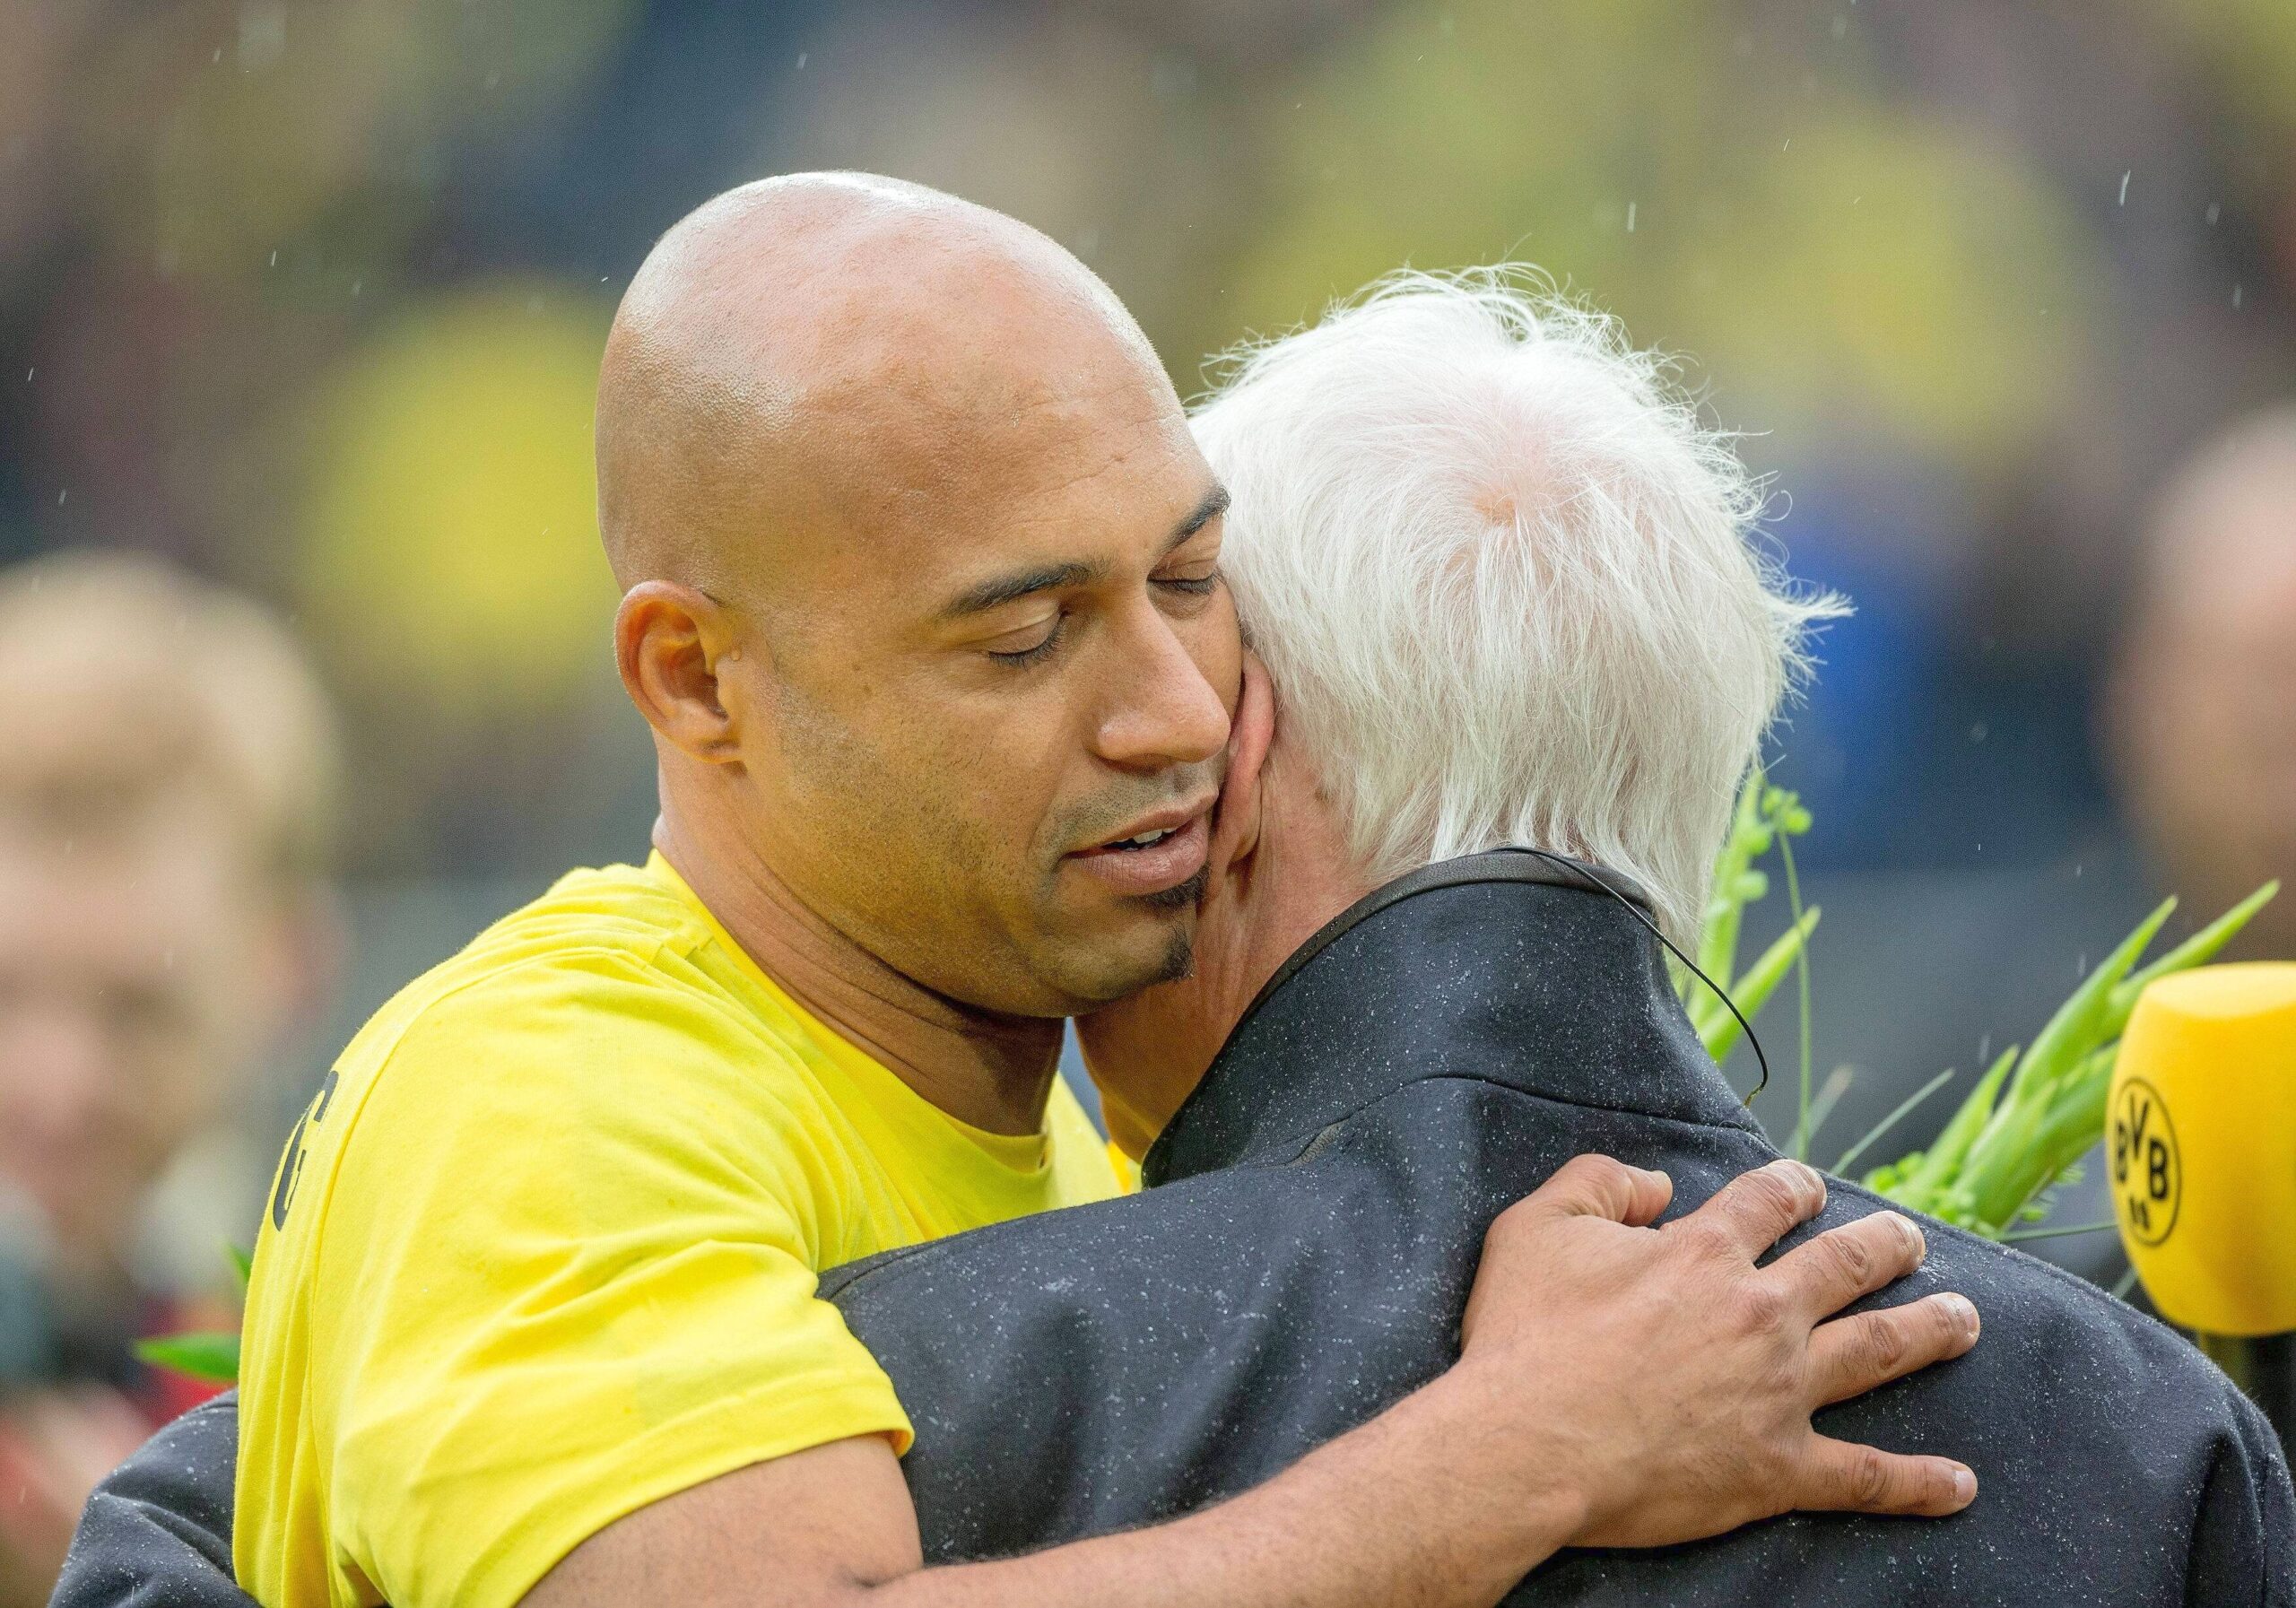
[
  {"x": 1235, "y": 825},
  {"x": 667, "y": 640}
]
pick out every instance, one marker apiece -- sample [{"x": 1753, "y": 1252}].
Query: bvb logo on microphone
[{"x": 2148, "y": 1171}]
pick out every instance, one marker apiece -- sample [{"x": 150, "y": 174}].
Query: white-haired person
[
  {"x": 1522, "y": 648},
  {"x": 1509, "y": 590}
]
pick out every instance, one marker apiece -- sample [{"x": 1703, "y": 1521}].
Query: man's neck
[
  {"x": 1299, "y": 877},
  {"x": 992, "y": 1071}
]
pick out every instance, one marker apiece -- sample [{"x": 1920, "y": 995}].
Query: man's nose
[{"x": 1161, "y": 710}]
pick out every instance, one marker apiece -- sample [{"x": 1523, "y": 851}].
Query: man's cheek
[{"x": 1216, "y": 645}]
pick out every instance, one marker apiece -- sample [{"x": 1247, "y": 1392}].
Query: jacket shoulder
[
  {"x": 2030, "y": 1297},
  {"x": 158, "y": 1529}
]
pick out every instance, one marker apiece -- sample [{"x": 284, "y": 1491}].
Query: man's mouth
[
  {"x": 1159, "y": 852},
  {"x": 1145, "y": 840}
]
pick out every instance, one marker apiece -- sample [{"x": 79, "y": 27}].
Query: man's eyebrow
[
  {"x": 1215, "y": 504},
  {"x": 1006, "y": 588},
  {"x": 1003, "y": 589}
]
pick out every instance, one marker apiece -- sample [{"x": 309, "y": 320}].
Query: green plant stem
[
  {"x": 1829, "y": 1093},
  {"x": 1803, "y": 1128},
  {"x": 1904, "y": 1107},
  {"x": 2086, "y": 1228}
]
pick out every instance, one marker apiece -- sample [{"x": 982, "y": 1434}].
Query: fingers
[
  {"x": 1593, "y": 1186},
  {"x": 1856, "y": 1259},
  {"x": 1840, "y": 1476},
  {"x": 1752, "y": 1210},
  {"x": 1852, "y": 1355}
]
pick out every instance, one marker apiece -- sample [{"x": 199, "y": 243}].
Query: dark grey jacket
[{"x": 1304, "y": 1256}]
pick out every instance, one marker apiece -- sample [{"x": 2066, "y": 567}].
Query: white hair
[{"x": 1507, "y": 585}]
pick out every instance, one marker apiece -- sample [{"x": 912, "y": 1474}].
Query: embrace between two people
[{"x": 937, "y": 602}]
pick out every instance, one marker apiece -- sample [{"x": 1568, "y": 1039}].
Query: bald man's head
[
  {"x": 921, "y": 589},
  {"x": 800, "y": 357}
]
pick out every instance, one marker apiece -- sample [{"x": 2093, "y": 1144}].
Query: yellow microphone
[{"x": 2201, "y": 1138}]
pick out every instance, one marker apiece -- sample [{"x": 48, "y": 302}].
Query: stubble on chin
[{"x": 1180, "y": 955}]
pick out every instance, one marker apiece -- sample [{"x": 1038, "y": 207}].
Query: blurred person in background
[
  {"x": 167, "y": 776},
  {"x": 2204, "y": 705}
]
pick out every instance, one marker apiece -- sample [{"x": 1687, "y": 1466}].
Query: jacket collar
[{"x": 1537, "y": 973}]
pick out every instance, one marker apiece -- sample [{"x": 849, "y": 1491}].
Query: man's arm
[
  {"x": 1618, "y": 1385},
  {"x": 157, "y": 1533}
]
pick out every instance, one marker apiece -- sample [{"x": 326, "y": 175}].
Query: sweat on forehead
[{"x": 800, "y": 358}]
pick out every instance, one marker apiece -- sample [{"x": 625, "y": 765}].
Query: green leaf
[
  {"x": 213, "y": 1357},
  {"x": 1731, "y": 891},
  {"x": 2201, "y": 947},
  {"x": 1753, "y": 991},
  {"x": 2077, "y": 1027},
  {"x": 2004, "y": 1186},
  {"x": 1926, "y": 1187},
  {"x": 2009, "y": 1160},
  {"x": 1885, "y": 1178}
]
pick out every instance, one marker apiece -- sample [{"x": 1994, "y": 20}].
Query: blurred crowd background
[{"x": 300, "y": 312}]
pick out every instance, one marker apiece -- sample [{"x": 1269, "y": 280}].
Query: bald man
[{"x": 924, "y": 607}]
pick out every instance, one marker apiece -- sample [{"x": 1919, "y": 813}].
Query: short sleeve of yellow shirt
[{"x": 543, "y": 1250}]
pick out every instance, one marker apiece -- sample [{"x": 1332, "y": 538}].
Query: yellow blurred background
[{"x": 309, "y": 299}]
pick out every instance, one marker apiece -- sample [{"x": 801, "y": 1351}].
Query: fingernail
[
  {"x": 1964, "y": 1486},
  {"x": 1916, "y": 1240},
  {"x": 1964, "y": 1313}
]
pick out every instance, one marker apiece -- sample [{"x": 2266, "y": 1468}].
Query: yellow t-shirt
[{"x": 543, "y": 1250}]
